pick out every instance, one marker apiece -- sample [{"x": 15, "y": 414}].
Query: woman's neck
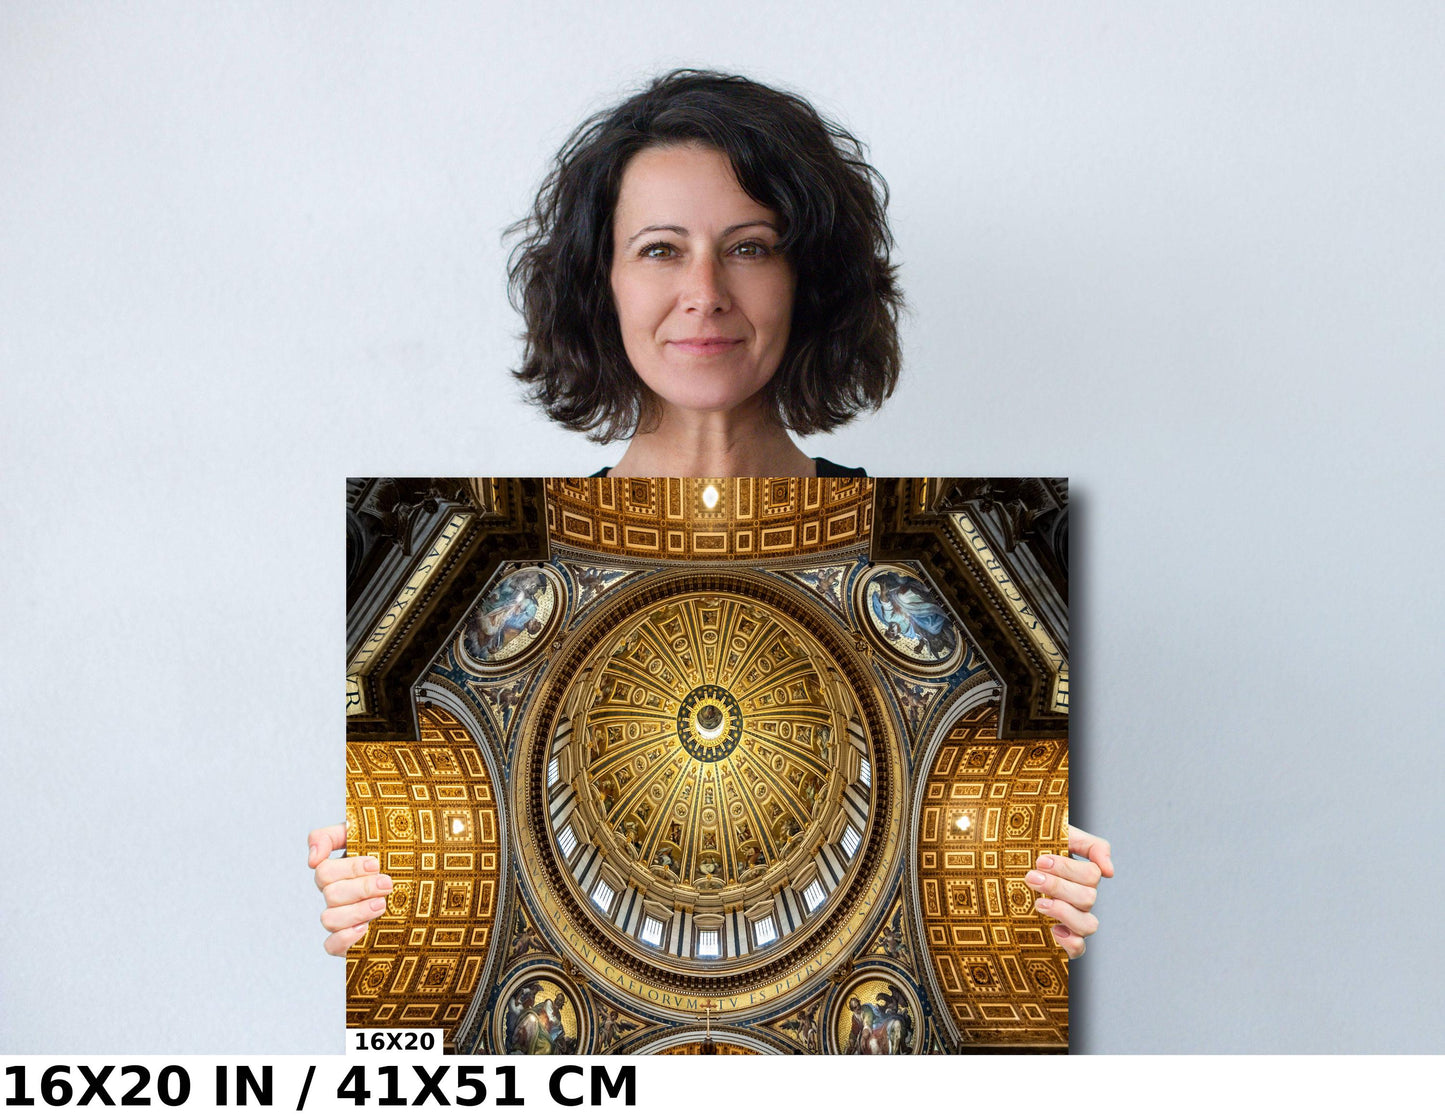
[{"x": 745, "y": 442}]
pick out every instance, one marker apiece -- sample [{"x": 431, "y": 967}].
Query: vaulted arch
[{"x": 985, "y": 809}]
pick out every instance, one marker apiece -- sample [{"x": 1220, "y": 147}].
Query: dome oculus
[{"x": 709, "y": 723}]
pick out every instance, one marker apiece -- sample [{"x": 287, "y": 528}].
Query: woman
[{"x": 705, "y": 272}]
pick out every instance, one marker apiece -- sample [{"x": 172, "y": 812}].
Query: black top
[
  {"x": 825, "y": 469},
  {"x": 833, "y": 469}
]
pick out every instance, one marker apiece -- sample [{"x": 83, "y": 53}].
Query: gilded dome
[
  {"x": 708, "y": 747},
  {"x": 715, "y": 791}
]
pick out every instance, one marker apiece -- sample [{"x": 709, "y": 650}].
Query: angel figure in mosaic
[
  {"x": 507, "y": 697},
  {"x": 788, "y": 832},
  {"x": 665, "y": 861},
  {"x": 823, "y": 737},
  {"x": 628, "y": 833},
  {"x": 810, "y": 786},
  {"x": 589, "y": 581},
  {"x": 709, "y": 864},
  {"x": 805, "y": 1026},
  {"x": 611, "y": 1027},
  {"x": 752, "y": 863},
  {"x": 528, "y": 941},
  {"x": 893, "y": 941},
  {"x": 826, "y": 581}
]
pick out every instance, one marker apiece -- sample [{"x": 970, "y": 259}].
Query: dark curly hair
[{"x": 843, "y": 354}]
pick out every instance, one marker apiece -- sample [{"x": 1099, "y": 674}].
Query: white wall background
[{"x": 1189, "y": 255}]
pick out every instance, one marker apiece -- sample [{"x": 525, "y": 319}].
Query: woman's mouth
[{"x": 705, "y": 346}]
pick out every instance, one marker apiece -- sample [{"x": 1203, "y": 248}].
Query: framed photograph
[{"x": 692, "y": 765}]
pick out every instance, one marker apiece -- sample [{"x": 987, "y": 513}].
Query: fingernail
[
  {"x": 378, "y": 904},
  {"x": 384, "y": 883},
  {"x": 1034, "y": 878},
  {"x": 1046, "y": 862},
  {"x": 371, "y": 865},
  {"x": 313, "y": 854},
  {"x": 1060, "y": 931},
  {"x": 363, "y": 927},
  {"x": 1042, "y": 903}
]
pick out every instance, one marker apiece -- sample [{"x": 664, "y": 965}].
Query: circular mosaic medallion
[
  {"x": 709, "y": 723},
  {"x": 878, "y": 1014},
  {"x": 512, "y": 622},
  {"x": 538, "y": 1015},
  {"x": 908, "y": 621}
]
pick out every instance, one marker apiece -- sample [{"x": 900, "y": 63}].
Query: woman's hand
[
  {"x": 1068, "y": 888},
  {"x": 355, "y": 890}
]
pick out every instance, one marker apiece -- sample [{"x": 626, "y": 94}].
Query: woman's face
[{"x": 703, "y": 296}]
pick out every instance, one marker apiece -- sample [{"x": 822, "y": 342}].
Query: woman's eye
[
  {"x": 659, "y": 251},
  {"x": 751, "y": 248}
]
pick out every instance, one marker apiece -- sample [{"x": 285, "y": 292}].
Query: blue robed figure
[
  {"x": 508, "y": 609},
  {"x": 908, "y": 610}
]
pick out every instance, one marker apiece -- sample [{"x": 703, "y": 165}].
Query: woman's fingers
[
  {"x": 1059, "y": 886},
  {"x": 340, "y": 868},
  {"x": 1069, "y": 868},
  {"x": 1096, "y": 849},
  {"x": 1080, "y": 923},
  {"x": 346, "y": 916},
  {"x": 354, "y": 888},
  {"x": 1069, "y": 888},
  {"x": 1073, "y": 944},
  {"x": 324, "y": 842},
  {"x": 351, "y": 889},
  {"x": 1068, "y": 891},
  {"x": 339, "y": 943}
]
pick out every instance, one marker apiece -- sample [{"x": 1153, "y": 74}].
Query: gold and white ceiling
[
  {"x": 718, "y": 744},
  {"x": 710, "y": 800}
]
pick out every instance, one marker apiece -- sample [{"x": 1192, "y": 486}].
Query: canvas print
[{"x": 693, "y": 765}]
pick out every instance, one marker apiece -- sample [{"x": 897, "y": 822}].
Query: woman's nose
[{"x": 705, "y": 288}]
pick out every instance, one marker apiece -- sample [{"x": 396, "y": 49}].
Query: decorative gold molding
[
  {"x": 1033, "y": 627},
  {"x": 669, "y": 519},
  {"x": 426, "y": 569}
]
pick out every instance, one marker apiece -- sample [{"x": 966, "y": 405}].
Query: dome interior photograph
[{"x": 709, "y": 765}]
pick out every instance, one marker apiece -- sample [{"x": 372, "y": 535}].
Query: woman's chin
[
  {"x": 703, "y": 400},
  {"x": 706, "y": 406}
]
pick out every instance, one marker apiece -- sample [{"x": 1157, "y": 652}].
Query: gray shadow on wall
[{"x": 1081, "y": 797}]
